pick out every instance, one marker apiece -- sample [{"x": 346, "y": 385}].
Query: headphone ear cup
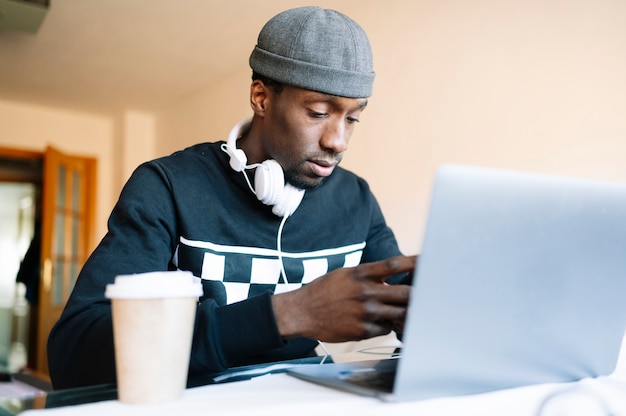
[
  {"x": 290, "y": 200},
  {"x": 270, "y": 188},
  {"x": 269, "y": 182}
]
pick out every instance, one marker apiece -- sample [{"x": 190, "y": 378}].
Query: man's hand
[{"x": 347, "y": 304}]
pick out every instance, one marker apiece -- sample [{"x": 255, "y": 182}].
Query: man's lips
[{"x": 322, "y": 167}]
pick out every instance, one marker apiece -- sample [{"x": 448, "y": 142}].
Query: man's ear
[{"x": 259, "y": 96}]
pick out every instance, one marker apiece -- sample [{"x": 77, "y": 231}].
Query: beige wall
[
  {"x": 206, "y": 115},
  {"x": 32, "y": 127},
  {"x": 535, "y": 85},
  {"x": 118, "y": 142},
  {"x": 530, "y": 85}
]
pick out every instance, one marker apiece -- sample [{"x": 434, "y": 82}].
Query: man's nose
[{"x": 336, "y": 137}]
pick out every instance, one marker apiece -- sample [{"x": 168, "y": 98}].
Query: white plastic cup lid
[{"x": 151, "y": 285}]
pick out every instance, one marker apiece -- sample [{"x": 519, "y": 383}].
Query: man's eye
[
  {"x": 318, "y": 115},
  {"x": 353, "y": 120}
]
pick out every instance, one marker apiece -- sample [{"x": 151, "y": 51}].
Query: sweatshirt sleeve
[
  {"x": 381, "y": 241},
  {"x": 142, "y": 237}
]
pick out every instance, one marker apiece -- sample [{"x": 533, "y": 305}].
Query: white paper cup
[{"x": 153, "y": 319}]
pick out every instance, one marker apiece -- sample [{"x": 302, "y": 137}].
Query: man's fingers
[
  {"x": 391, "y": 294},
  {"x": 392, "y": 313},
  {"x": 375, "y": 329},
  {"x": 388, "y": 318},
  {"x": 380, "y": 270}
]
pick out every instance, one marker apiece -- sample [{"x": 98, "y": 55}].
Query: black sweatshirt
[{"x": 191, "y": 211}]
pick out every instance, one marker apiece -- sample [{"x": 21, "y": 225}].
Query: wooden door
[{"x": 67, "y": 233}]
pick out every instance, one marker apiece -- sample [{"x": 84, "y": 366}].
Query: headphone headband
[{"x": 238, "y": 159}]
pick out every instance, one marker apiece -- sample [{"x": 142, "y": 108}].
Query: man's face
[{"x": 306, "y": 132}]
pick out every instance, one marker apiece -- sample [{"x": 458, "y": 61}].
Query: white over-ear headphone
[{"x": 269, "y": 179}]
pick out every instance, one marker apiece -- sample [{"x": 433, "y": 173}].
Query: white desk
[{"x": 280, "y": 394}]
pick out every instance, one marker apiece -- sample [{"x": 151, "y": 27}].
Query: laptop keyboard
[{"x": 380, "y": 377}]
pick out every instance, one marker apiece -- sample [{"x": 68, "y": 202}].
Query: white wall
[{"x": 531, "y": 85}]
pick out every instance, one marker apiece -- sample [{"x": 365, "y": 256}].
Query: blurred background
[{"x": 533, "y": 85}]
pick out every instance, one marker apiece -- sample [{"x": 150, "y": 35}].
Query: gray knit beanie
[{"x": 315, "y": 49}]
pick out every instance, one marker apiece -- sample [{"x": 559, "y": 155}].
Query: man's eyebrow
[{"x": 330, "y": 97}]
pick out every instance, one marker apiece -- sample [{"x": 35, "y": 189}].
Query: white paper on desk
[{"x": 254, "y": 372}]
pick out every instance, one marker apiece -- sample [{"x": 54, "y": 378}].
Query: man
[{"x": 282, "y": 266}]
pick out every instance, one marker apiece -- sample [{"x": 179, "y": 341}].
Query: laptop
[{"x": 521, "y": 281}]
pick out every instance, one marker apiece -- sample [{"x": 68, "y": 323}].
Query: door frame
[{"x": 67, "y": 233}]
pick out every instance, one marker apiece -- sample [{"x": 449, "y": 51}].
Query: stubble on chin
[{"x": 301, "y": 181}]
